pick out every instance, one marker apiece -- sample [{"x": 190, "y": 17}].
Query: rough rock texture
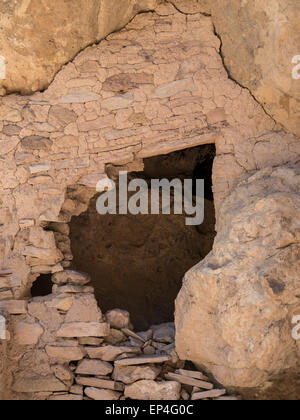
[
  {"x": 259, "y": 41},
  {"x": 151, "y": 390},
  {"x": 234, "y": 312},
  {"x": 38, "y": 38},
  {"x": 157, "y": 86},
  {"x": 57, "y": 368}
]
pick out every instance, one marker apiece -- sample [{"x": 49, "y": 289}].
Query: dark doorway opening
[
  {"x": 137, "y": 263},
  {"x": 42, "y": 286}
]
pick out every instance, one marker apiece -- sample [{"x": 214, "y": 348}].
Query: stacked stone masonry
[
  {"x": 66, "y": 349},
  {"x": 156, "y": 86}
]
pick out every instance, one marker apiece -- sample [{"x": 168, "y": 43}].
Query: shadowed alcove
[{"x": 137, "y": 262}]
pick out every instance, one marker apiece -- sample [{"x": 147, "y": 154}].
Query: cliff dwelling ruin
[{"x": 140, "y": 307}]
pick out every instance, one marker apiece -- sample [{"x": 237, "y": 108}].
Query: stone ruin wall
[{"x": 157, "y": 86}]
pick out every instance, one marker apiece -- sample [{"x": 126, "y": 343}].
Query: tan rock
[
  {"x": 115, "y": 337},
  {"x": 151, "y": 390},
  {"x": 90, "y": 341},
  {"x": 27, "y": 334},
  {"x": 118, "y": 318},
  {"x": 70, "y": 276},
  {"x": 84, "y": 309},
  {"x": 261, "y": 62},
  {"x": 99, "y": 383},
  {"x": 63, "y": 373},
  {"x": 89, "y": 22},
  {"x": 65, "y": 354},
  {"x": 102, "y": 394},
  {"x": 255, "y": 260},
  {"x": 94, "y": 367},
  {"x": 61, "y": 304},
  {"x": 83, "y": 329},
  {"x": 14, "y": 307},
  {"x": 110, "y": 353},
  {"x": 131, "y": 374},
  {"x": 38, "y": 384}
]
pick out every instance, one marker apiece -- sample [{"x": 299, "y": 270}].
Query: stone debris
[{"x": 92, "y": 361}]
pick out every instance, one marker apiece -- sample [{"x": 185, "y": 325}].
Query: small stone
[
  {"x": 70, "y": 276},
  {"x": 90, "y": 341},
  {"x": 84, "y": 309},
  {"x": 164, "y": 333},
  {"x": 151, "y": 390},
  {"x": 149, "y": 351},
  {"x": 36, "y": 143},
  {"x": 62, "y": 116},
  {"x": 102, "y": 394},
  {"x": 65, "y": 354},
  {"x": 142, "y": 360},
  {"x": 70, "y": 288},
  {"x": 94, "y": 367},
  {"x": 79, "y": 98},
  {"x": 27, "y": 334},
  {"x": 5, "y": 295},
  {"x": 115, "y": 337},
  {"x": 118, "y": 318},
  {"x": 61, "y": 304},
  {"x": 173, "y": 88},
  {"x": 64, "y": 374},
  {"x": 117, "y": 102},
  {"x": 11, "y": 130},
  {"x": 40, "y": 167},
  {"x": 215, "y": 393},
  {"x": 14, "y": 307},
  {"x": 100, "y": 383},
  {"x": 131, "y": 374},
  {"x": 76, "y": 389},
  {"x": 38, "y": 384},
  {"x": 110, "y": 353}
]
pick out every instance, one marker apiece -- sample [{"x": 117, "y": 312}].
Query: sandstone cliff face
[
  {"x": 237, "y": 305},
  {"x": 259, "y": 41},
  {"x": 39, "y": 37}
]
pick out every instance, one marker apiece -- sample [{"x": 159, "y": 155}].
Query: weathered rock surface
[
  {"x": 131, "y": 374},
  {"x": 101, "y": 394},
  {"x": 233, "y": 314},
  {"x": 259, "y": 42},
  {"x": 72, "y": 277},
  {"x": 94, "y": 367},
  {"x": 151, "y": 390},
  {"x": 118, "y": 318},
  {"x": 37, "y": 39}
]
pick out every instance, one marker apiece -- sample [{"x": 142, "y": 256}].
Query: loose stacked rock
[{"x": 96, "y": 357}]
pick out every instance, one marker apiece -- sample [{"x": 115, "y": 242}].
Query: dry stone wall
[
  {"x": 64, "y": 348},
  {"x": 157, "y": 86}
]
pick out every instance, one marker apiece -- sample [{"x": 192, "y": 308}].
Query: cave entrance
[{"x": 137, "y": 262}]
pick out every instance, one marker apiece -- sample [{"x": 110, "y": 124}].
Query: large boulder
[
  {"x": 259, "y": 41},
  {"x": 38, "y": 37},
  {"x": 234, "y": 313}
]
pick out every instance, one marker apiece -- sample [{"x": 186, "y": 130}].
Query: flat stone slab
[
  {"x": 84, "y": 329},
  {"x": 94, "y": 367},
  {"x": 142, "y": 360}
]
